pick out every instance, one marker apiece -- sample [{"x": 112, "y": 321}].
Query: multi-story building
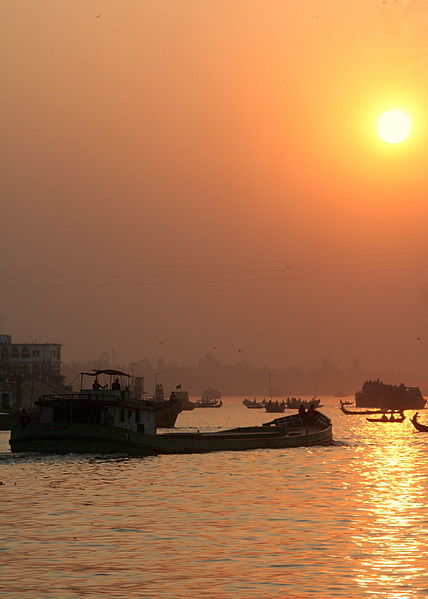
[
  {"x": 40, "y": 361},
  {"x": 25, "y": 366}
]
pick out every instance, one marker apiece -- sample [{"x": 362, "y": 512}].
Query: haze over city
[{"x": 179, "y": 178}]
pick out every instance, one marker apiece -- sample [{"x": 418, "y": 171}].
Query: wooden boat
[
  {"x": 386, "y": 419},
  {"x": 294, "y": 403},
  {"x": 210, "y": 393},
  {"x": 274, "y": 407},
  {"x": 208, "y": 403},
  {"x": 363, "y": 412},
  {"x": 167, "y": 410},
  {"x": 106, "y": 422},
  {"x": 253, "y": 404},
  {"x": 423, "y": 428}
]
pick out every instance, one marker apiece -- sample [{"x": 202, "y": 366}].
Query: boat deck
[{"x": 248, "y": 432}]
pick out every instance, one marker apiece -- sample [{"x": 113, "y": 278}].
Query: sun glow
[{"x": 394, "y": 126}]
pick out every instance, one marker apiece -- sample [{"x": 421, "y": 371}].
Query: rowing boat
[{"x": 423, "y": 428}]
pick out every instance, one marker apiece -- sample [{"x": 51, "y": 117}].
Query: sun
[{"x": 394, "y": 126}]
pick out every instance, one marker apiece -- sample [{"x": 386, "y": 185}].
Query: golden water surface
[{"x": 349, "y": 520}]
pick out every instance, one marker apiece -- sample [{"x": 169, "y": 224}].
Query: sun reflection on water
[{"x": 392, "y": 505}]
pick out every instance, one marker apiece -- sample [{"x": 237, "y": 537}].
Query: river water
[{"x": 348, "y": 520}]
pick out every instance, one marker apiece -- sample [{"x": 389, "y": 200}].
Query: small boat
[
  {"x": 423, "y": 428},
  {"x": 106, "y": 422},
  {"x": 208, "y": 403},
  {"x": 273, "y": 406},
  {"x": 294, "y": 403},
  {"x": 387, "y": 420},
  {"x": 276, "y": 407},
  {"x": 210, "y": 393},
  {"x": 363, "y": 412},
  {"x": 346, "y": 403},
  {"x": 253, "y": 404}
]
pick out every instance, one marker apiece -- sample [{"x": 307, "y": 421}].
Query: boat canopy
[{"x": 108, "y": 372}]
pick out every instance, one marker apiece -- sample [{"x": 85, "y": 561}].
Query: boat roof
[{"x": 110, "y": 372}]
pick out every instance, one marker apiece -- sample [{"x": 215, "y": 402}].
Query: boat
[
  {"x": 294, "y": 403},
  {"x": 346, "y": 403},
  {"x": 423, "y": 428},
  {"x": 188, "y": 405},
  {"x": 385, "y": 419},
  {"x": 363, "y": 412},
  {"x": 253, "y": 404},
  {"x": 167, "y": 410},
  {"x": 274, "y": 406},
  {"x": 271, "y": 405},
  {"x": 208, "y": 403},
  {"x": 376, "y": 394},
  {"x": 109, "y": 421},
  {"x": 210, "y": 393}
]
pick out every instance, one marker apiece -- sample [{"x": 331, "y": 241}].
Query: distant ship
[
  {"x": 376, "y": 394},
  {"x": 210, "y": 393}
]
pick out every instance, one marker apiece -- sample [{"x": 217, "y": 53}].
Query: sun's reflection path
[{"x": 391, "y": 540}]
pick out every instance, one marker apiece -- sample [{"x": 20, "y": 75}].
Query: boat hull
[
  {"x": 423, "y": 428},
  {"x": 167, "y": 411},
  {"x": 72, "y": 438},
  {"x": 93, "y": 439},
  {"x": 356, "y": 412}
]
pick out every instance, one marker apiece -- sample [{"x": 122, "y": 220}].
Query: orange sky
[{"x": 207, "y": 173}]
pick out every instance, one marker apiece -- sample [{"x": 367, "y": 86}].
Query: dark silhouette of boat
[
  {"x": 210, "y": 393},
  {"x": 166, "y": 412},
  {"x": 423, "y": 428},
  {"x": 274, "y": 407},
  {"x": 167, "y": 409},
  {"x": 294, "y": 403},
  {"x": 253, "y": 404},
  {"x": 386, "y": 420},
  {"x": 363, "y": 412},
  {"x": 109, "y": 421},
  {"x": 208, "y": 403},
  {"x": 188, "y": 405},
  {"x": 376, "y": 394}
]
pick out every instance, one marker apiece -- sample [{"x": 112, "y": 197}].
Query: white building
[{"x": 30, "y": 361}]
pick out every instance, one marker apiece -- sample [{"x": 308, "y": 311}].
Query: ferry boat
[
  {"x": 376, "y": 394},
  {"x": 110, "y": 421}
]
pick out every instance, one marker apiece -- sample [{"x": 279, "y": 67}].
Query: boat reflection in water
[{"x": 393, "y": 499}]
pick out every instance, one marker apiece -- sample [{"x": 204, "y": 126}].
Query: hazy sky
[{"x": 207, "y": 174}]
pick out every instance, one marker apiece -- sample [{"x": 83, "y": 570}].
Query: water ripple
[{"x": 345, "y": 521}]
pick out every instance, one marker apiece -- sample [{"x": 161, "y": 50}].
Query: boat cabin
[{"x": 100, "y": 406}]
